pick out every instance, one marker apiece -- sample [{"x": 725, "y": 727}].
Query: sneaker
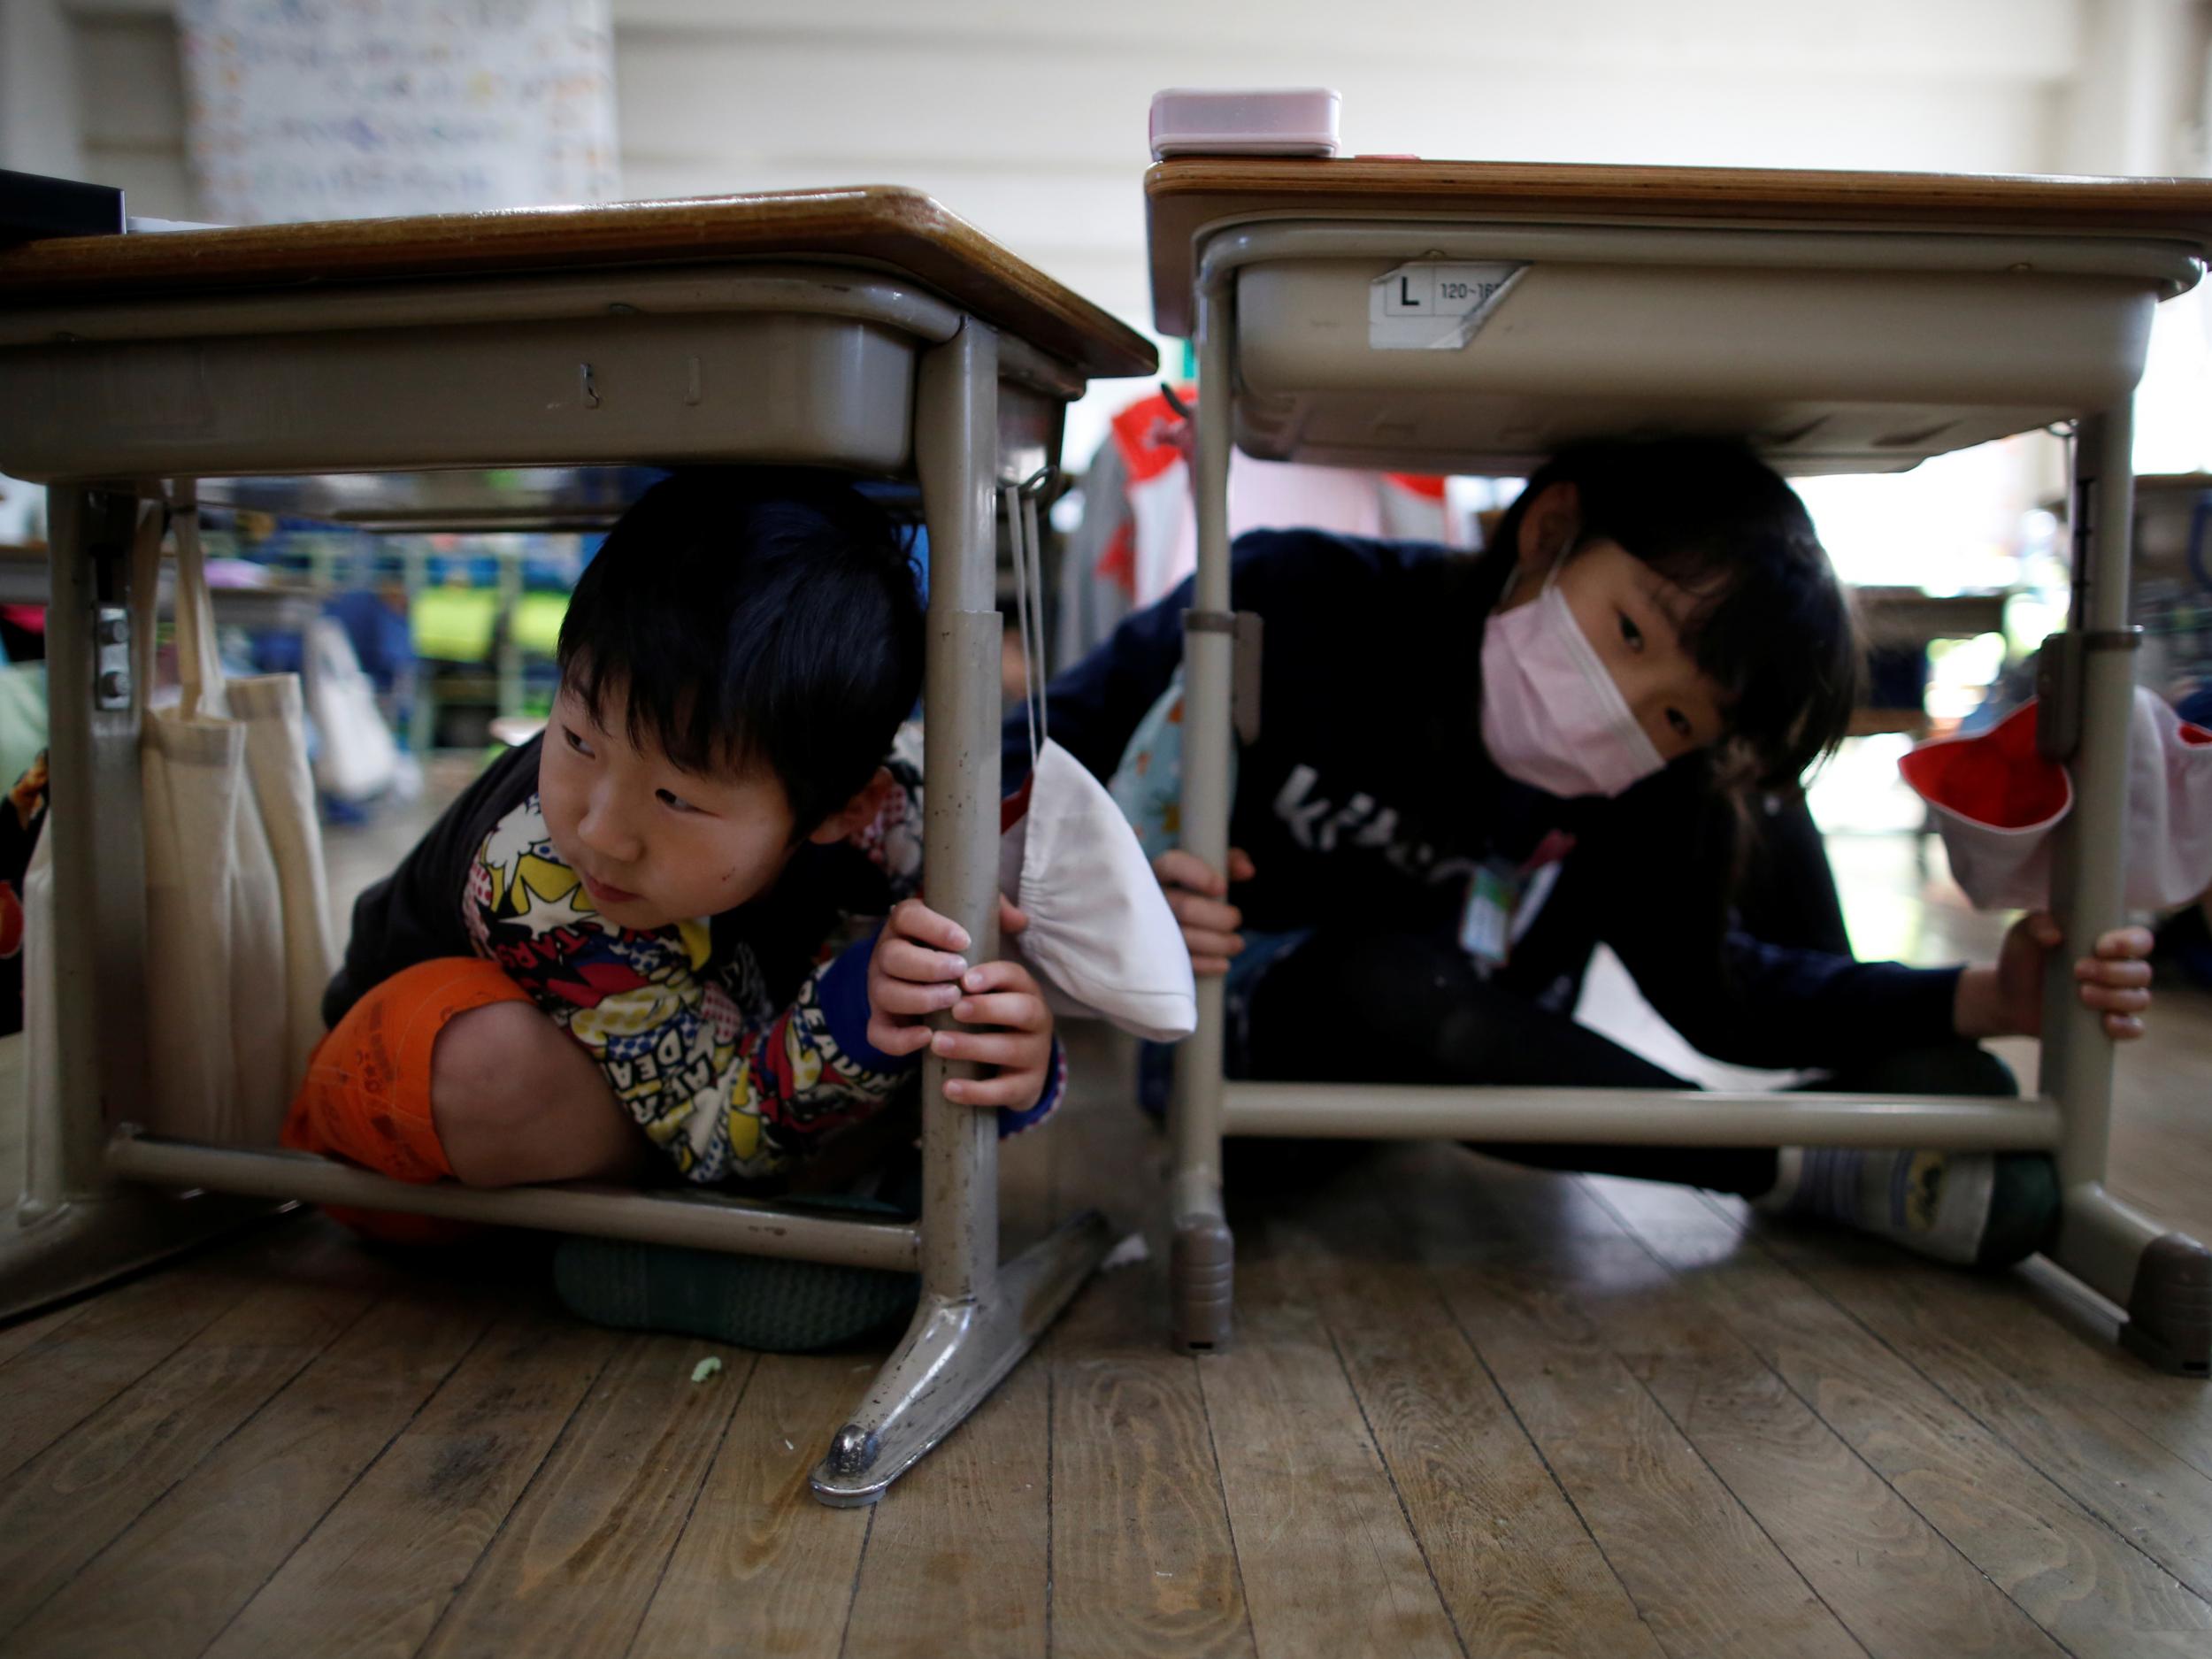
[
  {"x": 765, "y": 1302},
  {"x": 757, "y": 1302},
  {"x": 1971, "y": 1208}
]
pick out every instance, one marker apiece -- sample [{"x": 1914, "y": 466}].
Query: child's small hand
[
  {"x": 2006, "y": 998},
  {"x": 1002, "y": 997},
  {"x": 917, "y": 970},
  {"x": 1199, "y": 899}
]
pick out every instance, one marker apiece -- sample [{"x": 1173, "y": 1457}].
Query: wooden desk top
[
  {"x": 883, "y": 226},
  {"x": 1186, "y": 193}
]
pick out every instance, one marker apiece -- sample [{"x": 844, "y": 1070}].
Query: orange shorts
[{"x": 367, "y": 1095}]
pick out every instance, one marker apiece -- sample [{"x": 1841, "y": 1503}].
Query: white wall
[
  {"x": 38, "y": 89},
  {"x": 130, "y": 105},
  {"x": 2134, "y": 103}
]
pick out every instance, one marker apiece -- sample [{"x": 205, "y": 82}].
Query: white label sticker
[{"x": 1433, "y": 305}]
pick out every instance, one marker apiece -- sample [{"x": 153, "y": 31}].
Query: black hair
[
  {"x": 1769, "y": 623},
  {"x": 751, "y": 616}
]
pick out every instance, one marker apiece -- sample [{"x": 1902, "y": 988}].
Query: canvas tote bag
[{"x": 239, "y": 935}]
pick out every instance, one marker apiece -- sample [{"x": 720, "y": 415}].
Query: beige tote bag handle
[{"x": 199, "y": 657}]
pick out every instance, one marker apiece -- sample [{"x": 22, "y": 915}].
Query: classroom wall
[{"x": 39, "y": 127}]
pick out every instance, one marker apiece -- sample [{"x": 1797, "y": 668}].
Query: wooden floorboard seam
[
  {"x": 359, "y": 1474},
  {"x": 852, "y": 1601},
  {"x": 1751, "y": 1237},
  {"x": 2080, "y": 1309},
  {"x": 48, "y": 1320},
  {"x": 1993, "y": 1430},
  {"x": 1750, "y": 1514},
  {"x": 1036, "y": 1358},
  {"x": 1382, "y": 1456},
  {"x": 2180, "y": 1453},
  {"x": 1228, "y": 1510},
  {"x": 93, "y": 1405},
  {"x": 1542, "y": 1457},
  {"x": 186, "y": 1473},
  {"x": 1842, "y": 1440},
  {"x": 706, "y": 1469},
  {"x": 522, "y": 1494}
]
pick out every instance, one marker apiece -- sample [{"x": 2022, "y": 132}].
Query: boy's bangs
[
  {"x": 656, "y": 702},
  {"x": 735, "y": 620}
]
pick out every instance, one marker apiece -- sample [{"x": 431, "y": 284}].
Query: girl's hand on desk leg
[
  {"x": 1200, "y": 901},
  {"x": 2005, "y": 999},
  {"x": 2117, "y": 981}
]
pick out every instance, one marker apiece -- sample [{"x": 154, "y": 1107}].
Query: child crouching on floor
[{"x": 625, "y": 945}]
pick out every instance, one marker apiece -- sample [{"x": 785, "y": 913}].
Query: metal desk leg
[
  {"x": 422, "y": 705},
  {"x": 508, "y": 650},
  {"x": 2163, "y": 1279},
  {"x": 976, "y": 1318},
  {"x": 73, "y": 1226},
  {"x": 1202, "y": 1262}
]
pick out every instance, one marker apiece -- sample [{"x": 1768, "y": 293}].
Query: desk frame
[
  {"x": 2160, "y": 1279},
  {"x": 982, "y": 412}
]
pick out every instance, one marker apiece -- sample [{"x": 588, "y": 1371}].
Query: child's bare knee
[
  {"x": 487, "y": 1088},
  {"x": 516, "y": 1099}
]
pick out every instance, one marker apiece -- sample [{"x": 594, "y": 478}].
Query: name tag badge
[{"x": 1486, "y": 928}]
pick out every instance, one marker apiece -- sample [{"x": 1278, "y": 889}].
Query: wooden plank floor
[{"x": 1473, "y": 1410}]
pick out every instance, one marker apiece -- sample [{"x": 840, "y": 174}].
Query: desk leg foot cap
[
  {"x": 2169, "y": 1310},
  {"x": 1201, "y": 1271},
  {"x": 954, "y": 1353}
]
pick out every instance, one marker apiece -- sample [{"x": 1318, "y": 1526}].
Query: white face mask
[{"x": 1552, "y": 717}]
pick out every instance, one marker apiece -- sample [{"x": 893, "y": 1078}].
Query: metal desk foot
[
  {"x": 47, "y": 1252},
  {"x": 1201, "y": 1268},
  {"x": 2161, "y": 1278},
  {"x": 954, "y": 1353},
  {"x": 2169, "y": 1311}
]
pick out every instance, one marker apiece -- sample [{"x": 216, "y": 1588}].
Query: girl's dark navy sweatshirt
[{"x": 1369, "y": 801}]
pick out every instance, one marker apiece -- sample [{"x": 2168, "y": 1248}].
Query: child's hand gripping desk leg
[
  {"x": 918, "y": 968},
  {"x": 2005, "y": 998},
  {"x": 1200, "y": 901}
]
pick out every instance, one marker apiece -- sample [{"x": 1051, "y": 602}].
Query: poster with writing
[{"x": 364, "y": 108}]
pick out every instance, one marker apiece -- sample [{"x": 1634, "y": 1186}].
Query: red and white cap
[{"x": 1996, "y": 799}]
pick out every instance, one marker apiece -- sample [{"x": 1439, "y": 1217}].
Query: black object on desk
[{"x": 32, "y": 206}]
